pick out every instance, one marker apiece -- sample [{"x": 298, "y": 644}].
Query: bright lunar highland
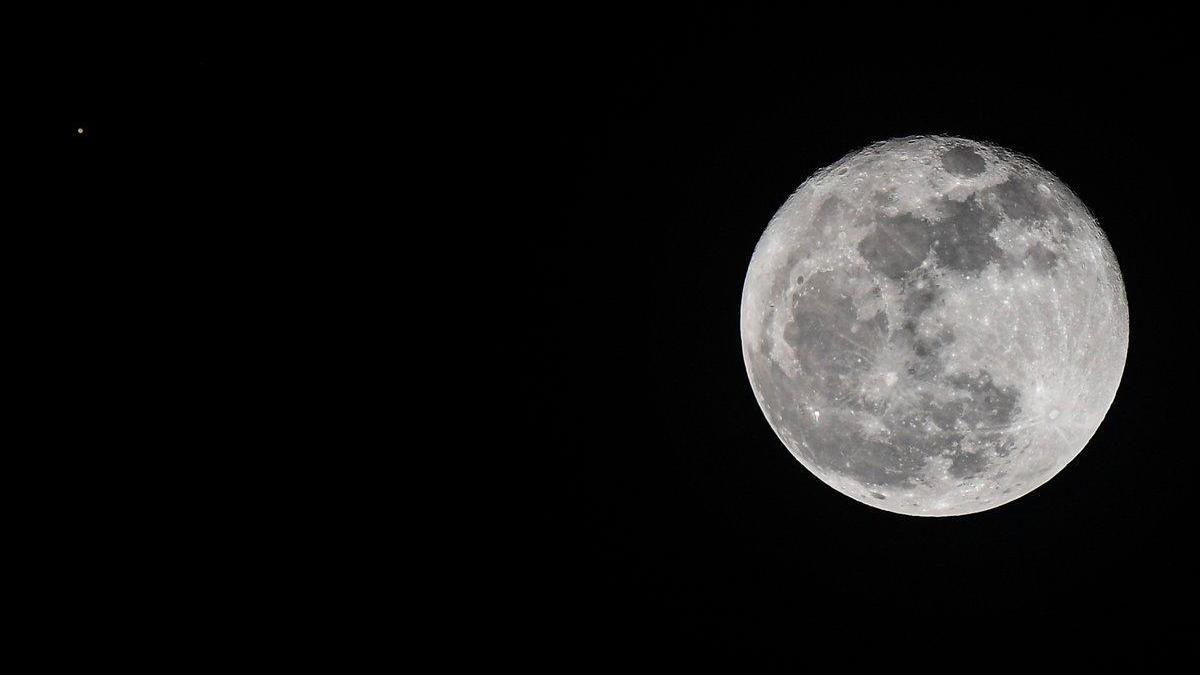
[{"x": 934, "y": 326}]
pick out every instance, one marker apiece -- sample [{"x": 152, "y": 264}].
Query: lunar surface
[{"x": 934, "y": 326}]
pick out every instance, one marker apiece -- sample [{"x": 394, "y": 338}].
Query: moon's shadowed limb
[{"x": 934, "y": 326}]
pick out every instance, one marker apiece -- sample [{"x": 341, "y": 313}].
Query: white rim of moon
[{"x": 934, "y": 326}]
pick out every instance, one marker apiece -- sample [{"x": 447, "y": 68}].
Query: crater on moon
[{"x": 934, "y": 326}]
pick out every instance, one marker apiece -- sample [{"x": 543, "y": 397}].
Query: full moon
[{"x": 934, "y": 326}]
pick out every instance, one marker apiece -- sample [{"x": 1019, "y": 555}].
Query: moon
[{"x": 934, "y": 326}]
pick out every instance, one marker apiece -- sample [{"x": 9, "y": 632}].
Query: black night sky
[{"x": 229, "y": 171}]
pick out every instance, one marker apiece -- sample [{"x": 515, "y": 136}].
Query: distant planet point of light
[{"x": 934, "y": 326}]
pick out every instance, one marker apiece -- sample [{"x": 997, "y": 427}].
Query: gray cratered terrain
[{"x": 934, "y": 326}]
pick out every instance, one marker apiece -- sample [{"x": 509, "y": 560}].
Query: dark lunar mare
[
  {"x": 836, "y": 347},
  {"x": 962, "y": 237},
  {"x": 963, "y": 162}
]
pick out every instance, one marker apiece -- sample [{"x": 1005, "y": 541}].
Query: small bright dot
[{"x": 79, "y": 130}]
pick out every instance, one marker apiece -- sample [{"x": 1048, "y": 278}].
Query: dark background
[
  {"x": 677, "y": 137},
  {"x": 163, "y": 288},
  {"x": 648, "y": 152},
  {"x": 124, "y": 247}
]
